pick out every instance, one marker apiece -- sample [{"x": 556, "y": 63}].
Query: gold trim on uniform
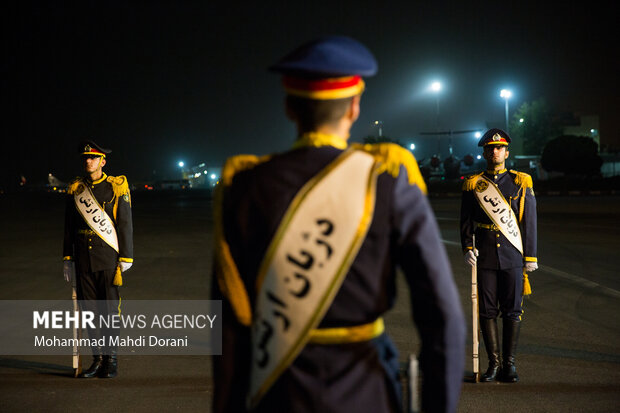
[
  {"x": 391, "y": 157},
  {"x": 494, "y": 172},
  {"x": 470, "y": 182},
  {"x": 491, "y": 227},
  {"x": 100, "y": 180},
  {"x": 238, "y": 163},
  {"x": 342, "y": 335},
  {"x": 318, "y": 139}
]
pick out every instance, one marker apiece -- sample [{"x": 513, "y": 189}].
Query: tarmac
[{"x": 568, "y": 356}]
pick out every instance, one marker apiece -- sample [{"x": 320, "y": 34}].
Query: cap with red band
[
  {"x": 329, "y": 88},
  {"x": 91, "y": 148},
  {"x": 328, "y": 68},
  {"x": 494, "y": 137}
]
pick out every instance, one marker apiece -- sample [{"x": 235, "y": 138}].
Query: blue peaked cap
[{"x": 330, "y": 56}]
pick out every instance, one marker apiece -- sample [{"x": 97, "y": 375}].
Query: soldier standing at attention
[
  {"x": 499, "y": 207},
  {"x": 98, "y": 246},
  {"x": 307, "y": 245}
]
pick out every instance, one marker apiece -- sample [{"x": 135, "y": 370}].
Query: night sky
[{"x": 160, "y": 82}]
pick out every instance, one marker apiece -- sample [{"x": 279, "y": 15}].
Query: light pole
[
  {"x": 506, "y": 94},
  {"x": 436, "y": 88},
  {"x": 379, "y": 124}
]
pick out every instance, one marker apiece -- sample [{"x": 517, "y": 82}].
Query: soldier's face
[
  {"x": 92, "y": 163},
  {"x": 495, "y": 154}
]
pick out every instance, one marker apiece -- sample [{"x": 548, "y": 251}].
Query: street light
[
  {"x": 412, "y": 146},
  {"x": 435, "y": 87},
  {"x": 506, "y": 94},
  {"x": 181, "y": 164},
  {"x": 477, "y": 135}
]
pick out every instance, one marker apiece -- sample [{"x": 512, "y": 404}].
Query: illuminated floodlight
[
  {"x": 412, "y": 146},
  {"x": 521, "y": 120},
  {"x": 505, "y": 93},
  {"x": 436, "y": 86},
  {"x": 477, "y": 134},
  {"x": 479, "y": 157},
  {"x": 181, "y": 164},
  {"x": 205, "y": 172},
  {"x": 213, "y": 176}
]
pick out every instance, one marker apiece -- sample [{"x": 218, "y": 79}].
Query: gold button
[
  {"x": 90, "y": 247},
  {"x": 91, "y": 239},
  {"x": 498, "y": 245},
  {"x": 495, "y": 176},
  {"x": 497, "y": 236}
]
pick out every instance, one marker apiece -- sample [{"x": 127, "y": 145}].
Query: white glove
[
  {"x": 125, "y": 265},
  {"x": 531, "y": 266},
  {"x": 68, "y": 270},
  {"x": 470, "y": 257}
]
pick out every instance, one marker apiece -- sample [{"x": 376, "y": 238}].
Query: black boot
[
  {"x": 110, "y": 366},
  {"x": 94, "y": 369},
  {"x": 490, "y": 336},
  {"x": 509, "y": 349}
]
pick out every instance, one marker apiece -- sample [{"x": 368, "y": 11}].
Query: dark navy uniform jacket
[
  {"x": 495, "y": 251},
  {"x": 352, "y": 377},
  {"x": 89, "y": 251}
]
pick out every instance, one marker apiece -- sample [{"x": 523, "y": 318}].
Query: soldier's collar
[
  {"x": 318, "y": 139},
  {"x": 492, "y": 172},
  {"x": 100, "y": 180}
]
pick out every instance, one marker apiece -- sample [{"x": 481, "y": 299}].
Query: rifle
[
  {"x": 474, "y": 315},
  {"x": 77, "y": 331},
  {"x": 409, "y": 381}
]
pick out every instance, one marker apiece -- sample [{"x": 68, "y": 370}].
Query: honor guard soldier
[
  {"x": 98, "y": 247},
  {"x": 307, "y": 246},
  {"x": 499, "y": 208}
]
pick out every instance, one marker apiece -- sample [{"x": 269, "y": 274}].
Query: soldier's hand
[
  {"x": 68, "y": 270},
  {"x": 470, "y": 258},
  {"x": 531, "y": 266},
  {"x": 125, "y": 265}
]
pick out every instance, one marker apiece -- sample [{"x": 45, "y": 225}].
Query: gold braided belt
[
  {"x": 342, "y": 335},
  {"x": 491, "y": 227},
  {"x": 86, "y": 232}
]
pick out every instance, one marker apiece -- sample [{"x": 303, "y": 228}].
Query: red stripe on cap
[{"x": 320, "y": 84}]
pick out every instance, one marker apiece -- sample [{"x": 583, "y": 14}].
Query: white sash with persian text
[
  {"x": 306, "y": 262},
  {"x": 498, "y": 209},
  {"x": 95, "y": 216}
]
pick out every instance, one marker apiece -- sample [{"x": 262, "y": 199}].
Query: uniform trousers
[
  {"x": 500, "y": 292},
  {"x": 96, "y": 293}
]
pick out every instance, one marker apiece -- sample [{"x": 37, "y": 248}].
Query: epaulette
[
  {"x": 522, "y": 179},
  {"x": 391, "y": 157},
  {"x": 470, "y": 182},
  {"x": 238, "y": 163},
  {"x": 119, "y": 185},
  {"x": 73, "y": 185}
]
